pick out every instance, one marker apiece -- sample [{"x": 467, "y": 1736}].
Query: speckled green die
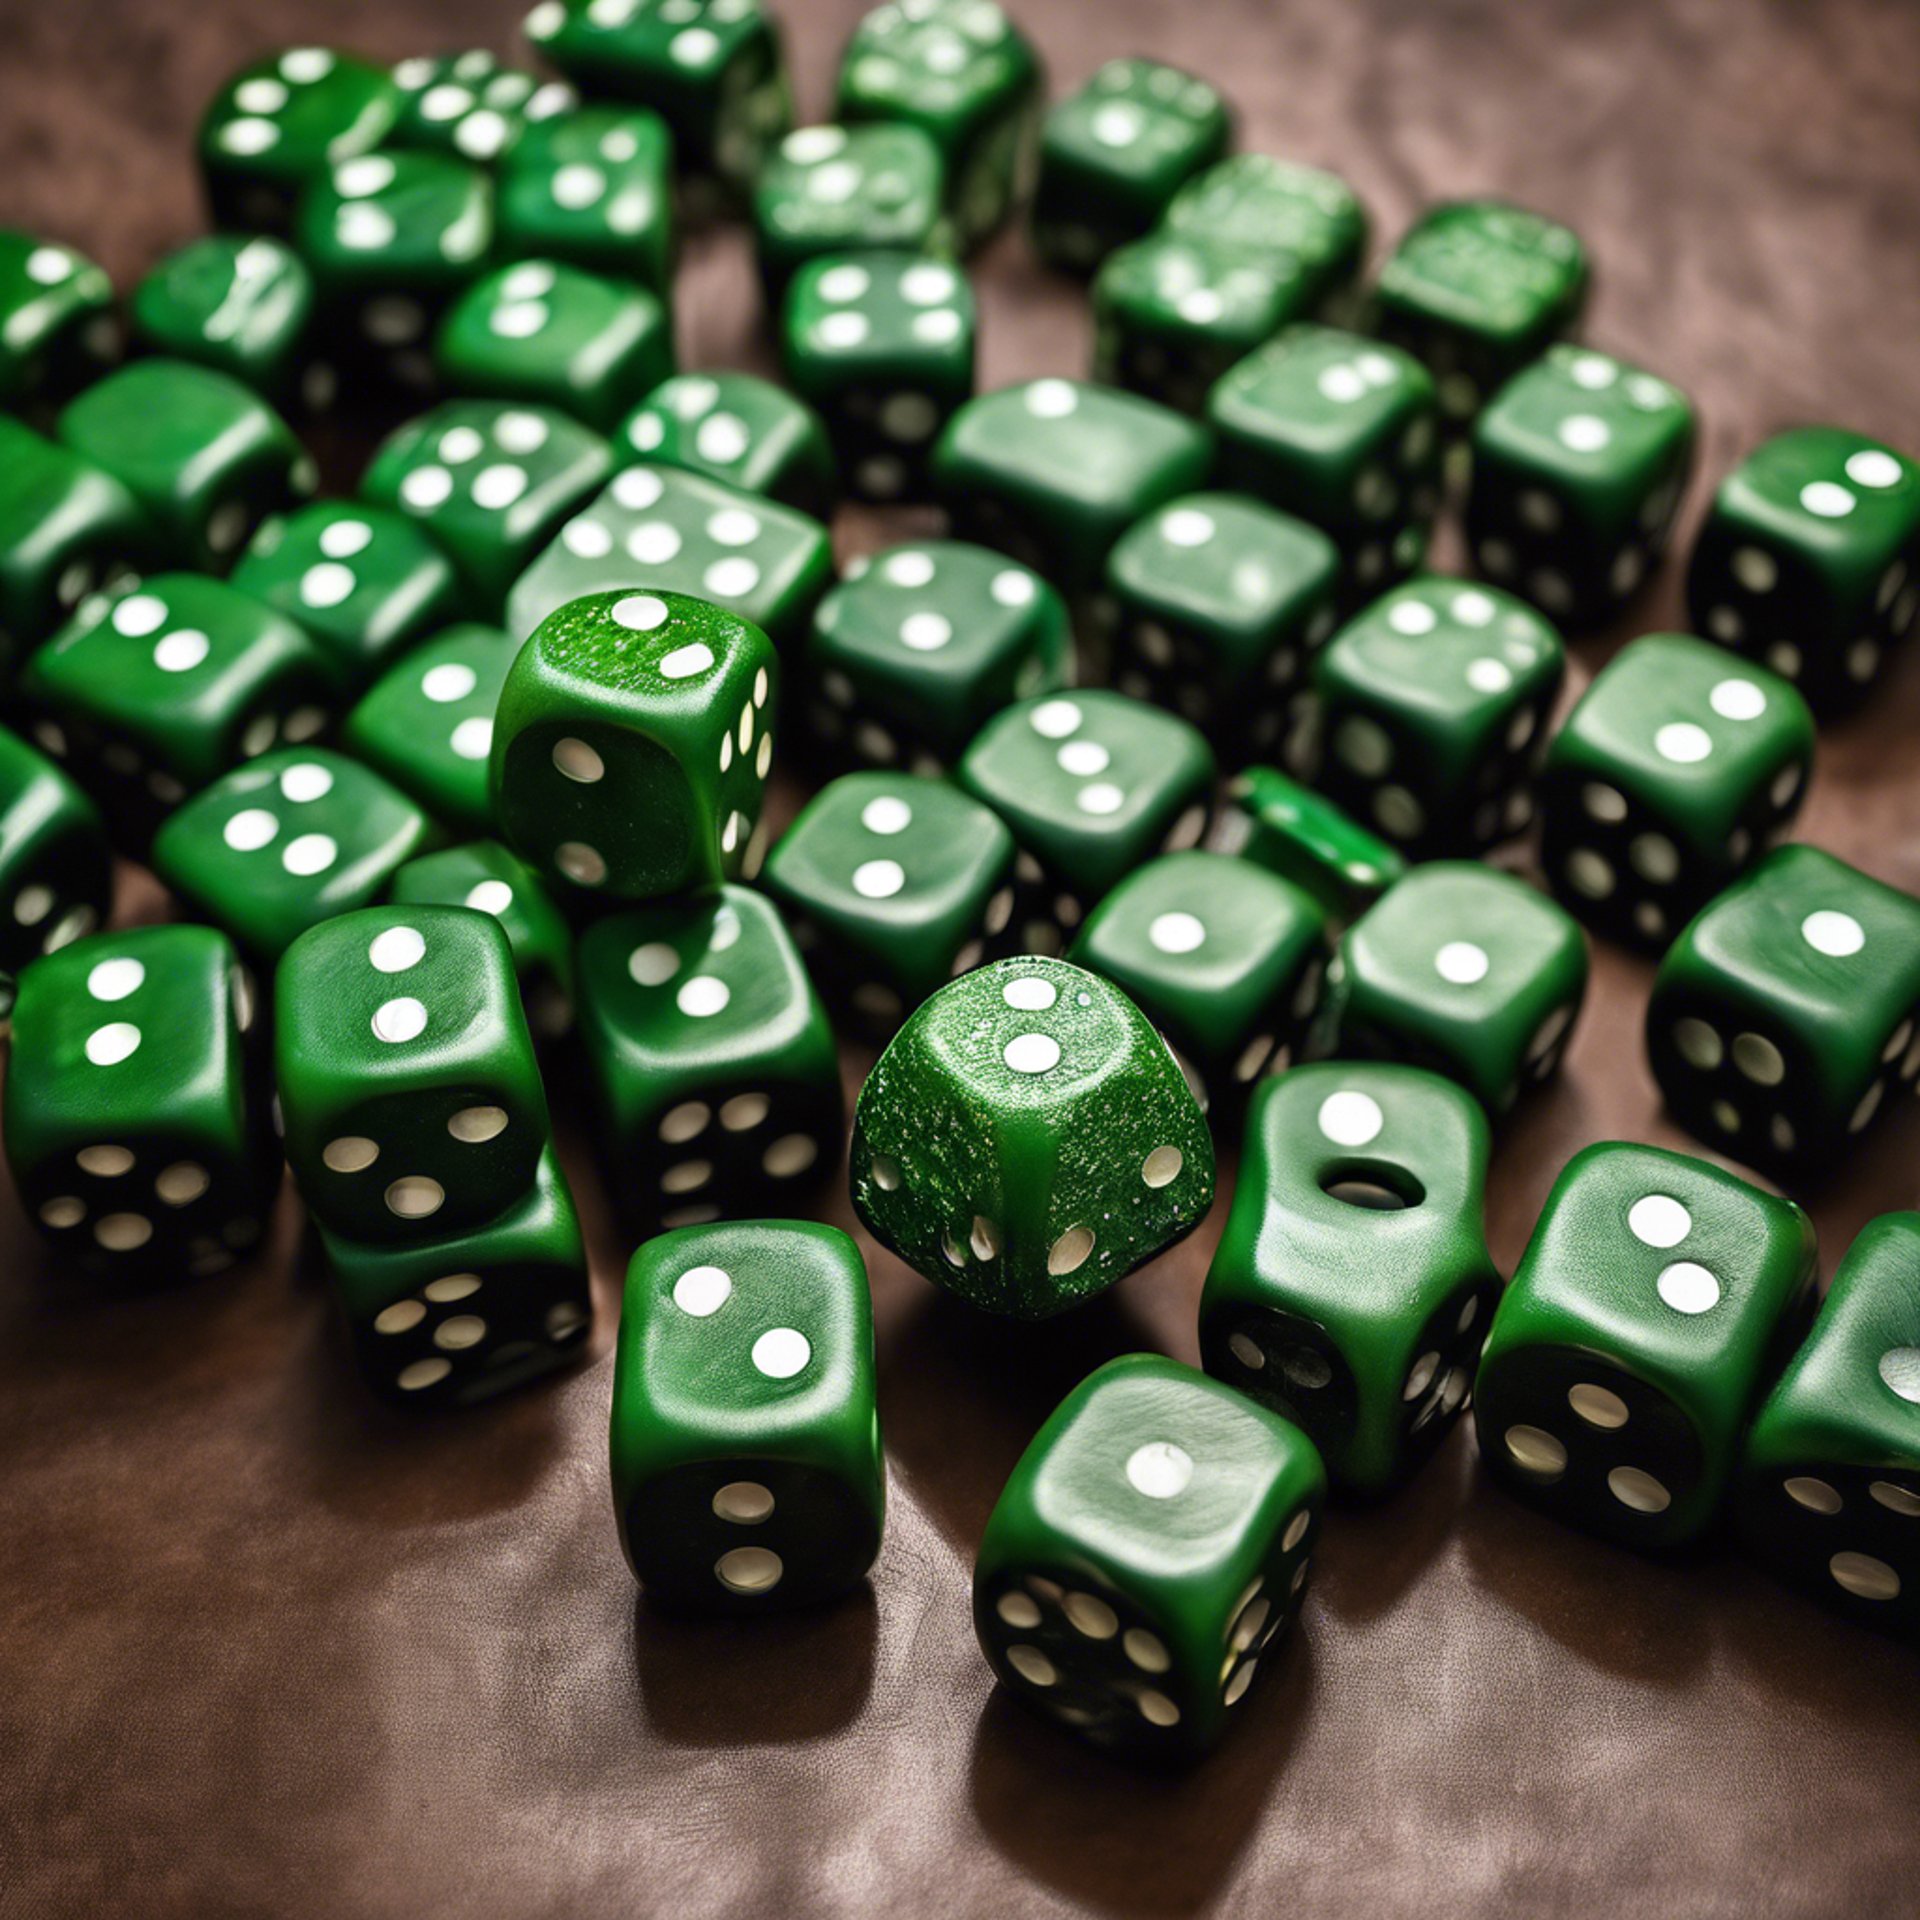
[
  {"x": 1144, "y": 1555},
  {"x": 1027, "y": 1139},
  {"x": 1274, "y": 209},
  {"x": 592, "y": 186},
  {"x": 738, "y": 429},
  {"x": 1302, "y": 836},
  {"x": 471, "y": 105},
  {"x": 241, "y": 304},
  {"x": 57, "y": 329},
  {"x": 1656, "y": 1299},
  {"x": 56, "y": 869}
]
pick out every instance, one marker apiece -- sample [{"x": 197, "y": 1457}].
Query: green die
[
  {"x": 1214, "y": 602},
  {"x": 1302, "y": 836},
  {"x": 279, "y": 123},
  {"x": 1144, "y": 1555},
  {"x": 632, "y": 743},
  {"x": 1476, "y": 289},
  {"x": 427, "y": 723},
  {"x": 471, "y": 105},
  {"x": 1463, "y": 970},
  {"x": 1783, "y": 1016},
  {"x": 241, "y": 304},
  {"x": 1053, "y": 472},
  {"x": 1113, "y": 155},
  {"x": 1829, "y": 1489},
  {"x": 207, "y": 459},
  {"x": 1810, "y": 560},
  {"x": 365, "y": 583},
  {"x": 716, "y": 1081},
  {"x": 285, "y": 842},
  {"x": 131, "y": 1120},
  {"x": 1227, "y": 961},
  {"x": 747, "y": 1469},
  {"x": 741, "y": 430},
  {"x": 458, "y": 1319},
  {"x": 1026, "y": 1140},
  {"x": 962, "y": 73},
  {"x": 592, "y": 187},
  {"x": 1675, "y": 769},
  {"x": 1341, "y": 431},
  {"x": 893, "y": 884},
  {"x": 56, "y": 869},
  {"x": 1353, "y": 1286},
  {"x": 57, "y": 329},
  {"x": 1296, "y": 217},
  {"x": 919, "y": 647},
  {"x": 492, "y": 483},
  {"x": 1656, "y": 1299},
  {"x": 540, "y": 331},
  {"x": 882, "y": 345},
  {"x": 677, "y": 532},
  {"x": 408, "y": 1086},
  {"x": 1431, "y": 709}
]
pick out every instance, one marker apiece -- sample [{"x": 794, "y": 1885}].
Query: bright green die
[
  {"x": 132, "y": 1122},
  {"x": 1302, "y": 836},
  {"x": 1829, "y": 1491},
  {"x": 1226, "y": 960},
  {"x": 1782, "y": 1019},
  {"x": 632, "y": 743},
  {"x": 471, "y": 105},
  {"x": 747, "y": 1469},
  {"x": 285, "y": 842},
  {"x": 206, "y": 458},
  {"x": 741, "y": 430},
  {"x": 1352, "y": 1287},
  {"x": 1464, "y": 970},
  {"x": 56, "y": 870},
  {"x": 1290, "y": 215},
  {"x": 1144, "y": 1555},
  {"x": 893, "y": 884},
  {"x": 592, "y": 186},
  {"x": 241, "y": 304},
  {"x": 1027, "y": 1139},
  {"x": 1431, "y": 714},
  {"x": 57, "y": 329},
  {"x": 1655, "y": 1301}
]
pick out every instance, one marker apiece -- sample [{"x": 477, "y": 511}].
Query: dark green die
[
  {"x": 1432, "y": 711},
  {"x": 1113, "y": 155},
  {"x": 1656, "y": 1299},
  {"x": 240, "y": 304},
  {"x": 1297, "y": 218},
  {"x": 471, "y": 105},
  {"x": 1829, "y": 1490},
  {"x": 1144, "y": 1555},
  {"x": 1353, "y": 1286},
  {"x": 1676, "y": 768},
  {"x": 1463, "y": 970},
  {"x": 747, "y": 1470},
  {"x": 57, "y": 330},
  {"x": 1302, "y": 836},
  {"x": 1810, "y": 560},
  {"x": 593, "y": 187},
  {"x": 56, "y": 870},
  {"x": 739, "y": 429},
  {"x": 1783, "y": 1017}
]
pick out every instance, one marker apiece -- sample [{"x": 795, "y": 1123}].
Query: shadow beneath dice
[{"x": 1861, "y": 1680}]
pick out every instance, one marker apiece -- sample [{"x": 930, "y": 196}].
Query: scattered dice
[
  {"x": 470, "y": 105},
  {"x": 241, "y": 304},
  {"x": 56, "y": 869},
  {"x": 593, "y": 187},
  {"x": 1291, "y": 830},
  {"x": 57, "y": 329},
  {"x": 740, "y": 430},
  {"x": 1301, "y": 221}
]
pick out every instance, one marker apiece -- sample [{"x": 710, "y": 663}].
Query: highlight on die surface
[{"x": 56, "y": 868}]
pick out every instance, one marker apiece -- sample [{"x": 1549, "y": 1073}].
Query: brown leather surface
[{"x": 267, "y": 1650}]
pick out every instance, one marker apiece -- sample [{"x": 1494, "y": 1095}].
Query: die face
[
  {"x": 592, "y": 186},
  {"x": 471, "y": 106},
  {"x": 1782, "y": 1017},
  {"x": 738, "y": 429},
  {"x": 1145, "y": 1553},
  {"x": 56, "y": 320},
  {"x": 1674, "y": 769},
  {"x": 238, "y": 303},
  {"x": 56, "y": 870},
  {"x": 1353, "y": 1287},
  {"x": 632, "y": 744},
  {"x": 1291, "y": 830},
  {"x": 1635, "y": 1337},
  {"x": 1068, "y": 1150},
  {"x": 1255, "y": 203}
]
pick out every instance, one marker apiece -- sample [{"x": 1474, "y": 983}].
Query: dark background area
[{"x": 267, "y": 1650}]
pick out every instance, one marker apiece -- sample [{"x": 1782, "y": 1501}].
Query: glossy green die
[
  {"x": 593, "y": 187},
  {"x": 1144, "y": 1555},
  {"x": 412, "y": 1101},
  {"x": 1675, "y": 769},
  {"x": 1829, "y": 1490},
  {"x": 491, "y": 482},
  {"x": 1225, "y": 959},
  {"x": 918, "y": 647},
  {"x": 207, "y": 459},
  {"x": 1053, "y": 472},
  {"x": 1297, "y": 218},
  {"x": 1027, "y": 1139},
  {"x": 56, "y": 869},
  {"x": 241, "y": 304},
  {"x": 892, "y": 884},
  {"x": 1655, "y": 1300},
  {"x": 132, "y": 1122},
  {"x": 57, "y": 329},
  {"x": 1476, "y": 289},
  {"x": 1464, "y": 970},
  {"x": 285, "y": 842},
  {"x": 1302, "y": 836},
  {"x": 1810, "y": 560},
  {"x": 632, "y": 744},
  {"x": 1431, "y": 712},
  {"x": 738, "y": 429},
  {"x": 1113, "y": 155},
  {"x": 716, "y": 1080},
  {"x": 471, "y": 105},
  {"x": 747, "y": 1468},
  {"x": 457, "y": 1319},
  {"x": 1782, "y": 1018}
]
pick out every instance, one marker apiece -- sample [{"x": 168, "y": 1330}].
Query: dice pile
[{"x": 473, "y": 765}]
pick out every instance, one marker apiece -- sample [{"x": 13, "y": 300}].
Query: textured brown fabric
[{"x": 266, "y": 1650}]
